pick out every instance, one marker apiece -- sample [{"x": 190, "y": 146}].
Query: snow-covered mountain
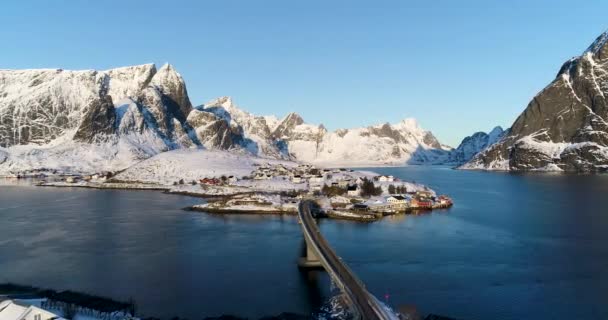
[
  {"x": 565, "y": 127},
  {"x": 91, "y": 120},
  {"x": 474, "y": 144},
  {"x": 87, "y": 121},
  {"x": 291, "y": 137},
  {"x": 394, "y": 144}
]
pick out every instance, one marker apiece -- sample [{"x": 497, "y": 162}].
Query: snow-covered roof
[{"x": 11, "y": 310}]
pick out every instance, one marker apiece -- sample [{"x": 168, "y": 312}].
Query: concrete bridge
[{"x": 319, "y": 254}]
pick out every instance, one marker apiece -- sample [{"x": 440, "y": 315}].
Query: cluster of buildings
[
  {"x": 218, "y": 181},
  {"x": 98, "y": 177},
  {"x": 398, "y": 203}
]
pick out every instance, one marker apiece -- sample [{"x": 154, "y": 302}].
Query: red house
[
  {"x": 210, "y": 181},
  {"x": 422, "y": 203}
]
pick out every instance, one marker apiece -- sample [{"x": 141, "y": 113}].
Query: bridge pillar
[{"x": 310, "y": 259}]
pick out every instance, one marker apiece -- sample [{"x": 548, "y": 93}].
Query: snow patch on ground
[
  {"x": 192, "y": 165},
  {"x": 65, "y": 156}
]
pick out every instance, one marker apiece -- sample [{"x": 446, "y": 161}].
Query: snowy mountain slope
[
  {"x": 247, "y": 131},
  {"x": 108, "y": 120},
  {"x": 292, "y": 138},
  {"x": 65, "y": 156},
  {"x": 394, "y": 144},
  {"x": 472, "y": 145},
  {"x": 192, "y": 164},
  {"x": 38, "y": 106},
  {"x": 126, "y": 114},
  {"x": 565, "y": 127}
]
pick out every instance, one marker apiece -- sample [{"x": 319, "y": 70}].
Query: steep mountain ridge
[
  {"x": 291, "y": 137},
  {"x": 474, "y": 144},
  {"x": 565, "y": 126},
  {"x": 77, "y": 121},
  {"x": 116, "y": 117}
]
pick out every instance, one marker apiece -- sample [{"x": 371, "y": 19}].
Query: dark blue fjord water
[{"x": 514, "y": 246}]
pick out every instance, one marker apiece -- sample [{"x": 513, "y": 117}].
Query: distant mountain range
[
  {"x": 565, "y": 126},
  {"x": 472, "y": 145},
  {"x": 85, "y": 121},
  {"x": 74, "y": 121}
]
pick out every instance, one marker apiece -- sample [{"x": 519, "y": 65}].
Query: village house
[
  {"x": 317, "y": 179},
  {"x": 71, "y": 179},
  {"x": 210, "y": 181},
  {"x": 444, "y": 201},
  {"x": 379, "y": 206},
  {"x": 316, "y": 187},
  {"x": 261, "y": 176},
  {"x": 397, "y": 202},
  {"x": 353, "y": 190},
  {"x": 424, "y": 194},
  {"x": 386, "y": 179},
  {"x": 296, "y": 179},
  {"x": 232, "y": 179},
  {"x": 344, "y": 183},
  {"x": 421, "y": 202}
]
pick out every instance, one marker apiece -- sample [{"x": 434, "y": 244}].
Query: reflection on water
[{"x": 513, "y": 247}]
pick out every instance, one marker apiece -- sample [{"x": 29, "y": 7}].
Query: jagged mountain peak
[
  {"x": 294, "y": 118},
  {"x": 167, "y": 74},
  {"x": 565, "y": 126},
  {"x": 41, "y": 105},
  {"x": 224, "y": 102},
  {"x": 599, "y": 47},
  {"x": 474, "y": 144},
  {"x": 142, "y": 110},
  {"x": 409, "y": 124},
  {"x": 496, "y": 133}
]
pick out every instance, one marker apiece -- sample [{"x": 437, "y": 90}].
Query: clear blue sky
[{"x": 456, "y": 66}]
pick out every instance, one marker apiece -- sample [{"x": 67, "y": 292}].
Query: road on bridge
[{"x": 365, "y": 305}]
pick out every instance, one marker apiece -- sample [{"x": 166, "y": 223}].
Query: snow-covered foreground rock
[{"x": 565, "y": 127}]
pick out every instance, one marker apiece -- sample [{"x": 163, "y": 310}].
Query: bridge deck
[{"x": 365, "y": 304}]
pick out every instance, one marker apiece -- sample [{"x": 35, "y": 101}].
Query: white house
[
  {"x": 386, "y": 178},
  {"x": 397, "y": 202},
  {"x": 379, "y": 206},
  {"x": 317, "y": 179},
  {"x": 353, "y": 190},
  {"x": 296, "y": 179},
  {"x": 343, "y": 183},
  {"x": 11, "y": 310},
  {"x": 232, "y": 179}
]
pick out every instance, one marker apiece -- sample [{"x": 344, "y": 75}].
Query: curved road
[{"x": 365, "y": 305}]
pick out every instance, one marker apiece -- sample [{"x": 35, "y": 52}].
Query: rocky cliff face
[
  {"x": 474, "y": 144},
  {"x": 54, "y": 119},
  {"x": 39, "y": 106},
  {"x": 565, "y": 126}
]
